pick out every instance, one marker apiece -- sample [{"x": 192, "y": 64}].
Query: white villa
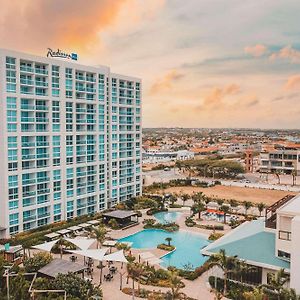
[{"x": 269, "y": 244}]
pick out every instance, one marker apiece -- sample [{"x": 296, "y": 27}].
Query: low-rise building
[
  {"x": 268, "y": 244},
  {"x": 282, "y": 159},
  {"x": 166, "y": 156}
]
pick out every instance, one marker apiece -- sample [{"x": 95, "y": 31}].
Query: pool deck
[{"x": 197, "y": 289}]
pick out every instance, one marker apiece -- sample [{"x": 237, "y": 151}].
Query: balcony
[
  {"x": 26, "y": 69},
  {"x": 29, "y": 218},
  {"x": 26, "y": 81},
  {"x": 41, "y": 71},
  {"x": 43, "y": 179},
  {"x": 43, "y": 215},
  {"x": 41, "y": 83},
  {"x": 41, "y": 107}
]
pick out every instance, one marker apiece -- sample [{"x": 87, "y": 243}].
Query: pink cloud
[
  {"x": 256, "y": 51},
  {"x": 287, "y": 53},
  {"x": 166, "y": 82},
  {"x": 293, "y": 82}
]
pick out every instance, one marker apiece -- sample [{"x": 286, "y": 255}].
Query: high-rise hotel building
[{"x": 70, "y": 140}]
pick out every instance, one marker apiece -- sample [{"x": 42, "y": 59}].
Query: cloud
[
  {"x": 166, "y": 82},
  {"x": 287, "y": 53},
  {"x": 216, "y": 96},
  {"x": 256, "y": 51},
  {"x": 293, "y": 82},
  {"x": 71, "y": 24}
]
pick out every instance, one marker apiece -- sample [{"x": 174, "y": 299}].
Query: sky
[{"x": 203, "y": 63}]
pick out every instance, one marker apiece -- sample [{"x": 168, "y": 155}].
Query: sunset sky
[{"x": 204, "y": 63}]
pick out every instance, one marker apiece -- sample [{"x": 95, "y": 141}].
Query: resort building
[
  {"x": 283, "y": 159},
  {"x": 269, "y": 244},
  {"x": 152, "y": 156},
  {"x": 71, "y": 139}
]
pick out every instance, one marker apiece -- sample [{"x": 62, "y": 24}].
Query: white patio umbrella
[
  {"x": 82, "y": 244},
  {"x": 97, "y": 254},
  {"x": 45, "y": 246},
  {"x": 116, "y": 256}
]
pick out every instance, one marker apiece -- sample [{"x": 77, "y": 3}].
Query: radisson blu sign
[{"x": 61, "y": 54}]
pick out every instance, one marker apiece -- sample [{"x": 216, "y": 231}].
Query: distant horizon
[{"x": 236, "y": 128}]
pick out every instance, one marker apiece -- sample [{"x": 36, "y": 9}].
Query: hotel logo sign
[{"x": 61, "y": 54}]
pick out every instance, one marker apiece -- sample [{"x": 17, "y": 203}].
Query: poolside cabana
[
  {"x": 63, "y": 231},
  {"x": 52, "y": 235},
  {"x": 84, "y": 225},
  {"x": 123, "y": 217},
  {"x": 61, "y": 266},
  {"x": 74, "y": 228},
  {"x": 93, "y": 222}
]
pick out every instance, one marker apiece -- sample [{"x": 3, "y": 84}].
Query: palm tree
[
  {"x": 135, "y": 271},
  {"x": 225, "y": 209},
  {"x": 242, "y": 269},
  {"x": 99, "y": 234},
  {"x": 277, "y": 282},
  {"x": 198, "y": 197},
  {"x": 198, "y": 207},
  {"x": 226, "y": 263},
  {"x": 260, "y": 207},
  {"x": 168, "y": 240},
  {"x": 173, "y": 198},
  {"x": 247, "y": 205},
  {"x": 184, "y": 197},
  {"x": 220, "y": 202}
]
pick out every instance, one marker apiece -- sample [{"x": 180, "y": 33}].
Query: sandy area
[{"x": 238, "y": 193}]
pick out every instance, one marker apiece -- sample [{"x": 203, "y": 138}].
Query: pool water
[
  {"x": 167, "y": 217},
  {"x": 188, "y": 246}
]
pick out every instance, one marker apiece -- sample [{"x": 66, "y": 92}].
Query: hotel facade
[{"x": 70, "y": 140}]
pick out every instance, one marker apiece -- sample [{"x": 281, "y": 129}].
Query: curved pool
[
  {"x": 164, "y": 217},
  {"x": 188, "y": 246}
]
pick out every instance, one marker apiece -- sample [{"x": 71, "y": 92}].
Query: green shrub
[
  {"x": 215, "y": 236},
  {"x": 171, "y": 227},
  {"x": 165, "y": 247},
  {"x": 39, "y": 260},
  {"x": 113, "y": 224}
]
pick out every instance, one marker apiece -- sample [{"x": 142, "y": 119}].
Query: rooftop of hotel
[{"x": 251, "y": 243}]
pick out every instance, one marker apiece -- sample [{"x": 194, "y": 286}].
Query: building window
[
  {"x": 284, "y": 235},
  {"x": 284, "y": 255}
]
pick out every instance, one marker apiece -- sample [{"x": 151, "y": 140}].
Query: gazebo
[{"x": 123, "y": 217}]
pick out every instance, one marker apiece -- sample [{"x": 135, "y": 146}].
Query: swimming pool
[
  {"x": 188, "y": 246},
  {"x": 167, "y": 217}
]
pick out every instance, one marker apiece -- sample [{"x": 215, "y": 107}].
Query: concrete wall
[{"x": 295, "y": 255}]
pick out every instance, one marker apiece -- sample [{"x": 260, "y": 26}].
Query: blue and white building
[{"x": 70, "y": 140}]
